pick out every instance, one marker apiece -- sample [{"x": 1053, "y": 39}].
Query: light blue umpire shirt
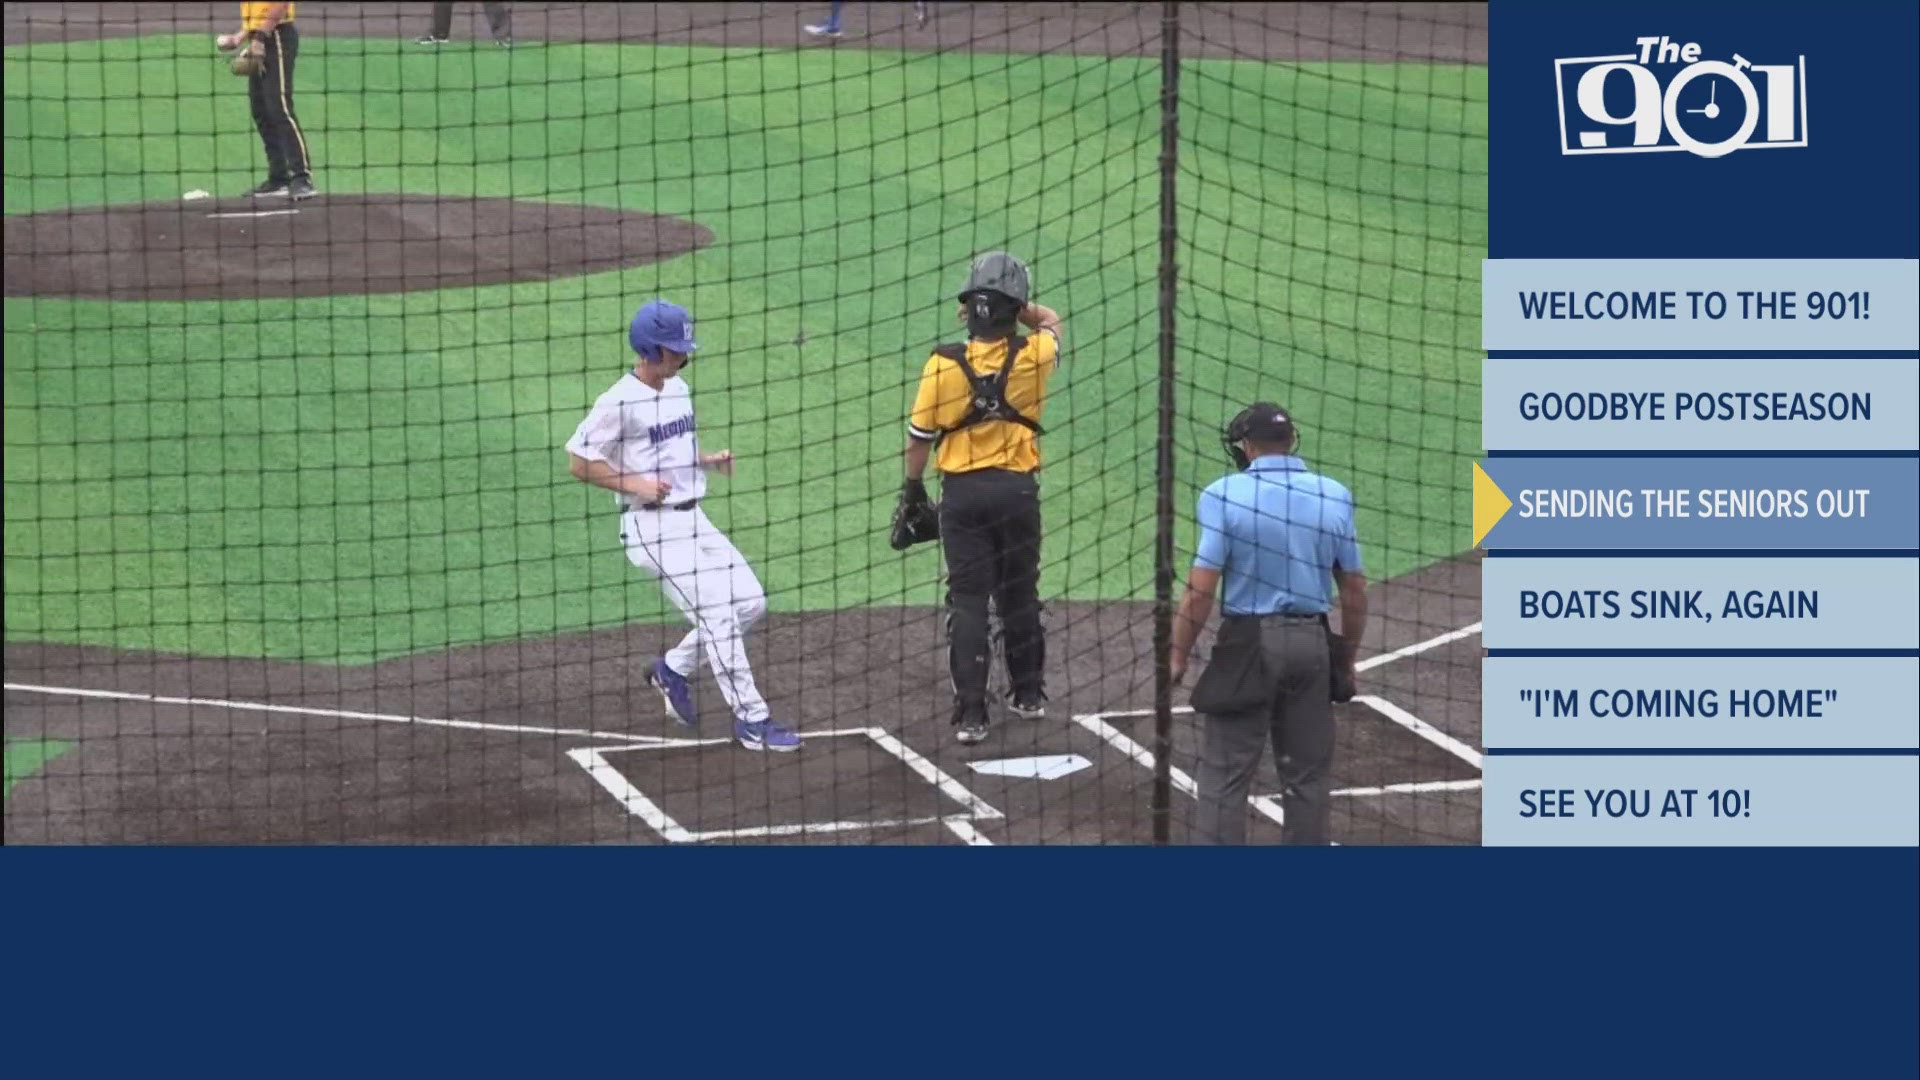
[{"x": 1276, "y": 532}]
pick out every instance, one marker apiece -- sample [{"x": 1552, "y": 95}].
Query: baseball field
[{"x": 291, "y": 550}]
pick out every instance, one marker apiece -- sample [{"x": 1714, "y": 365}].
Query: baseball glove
[
  {"x": 914, "y": 518},
  {"x": 248, "y": 61}
]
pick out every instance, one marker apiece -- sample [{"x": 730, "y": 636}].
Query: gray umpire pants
[
  {"x": 1300, "y": 725},
  {"x": 499, "y": 20}
]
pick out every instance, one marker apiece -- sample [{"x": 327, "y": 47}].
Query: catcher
[
  {"x": 264, "y": 50},
  {"x": 980, "y": 400}
]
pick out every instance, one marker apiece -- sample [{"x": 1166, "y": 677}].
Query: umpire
[
  {"x": 499, "y": 23},
  {"x": 1273, "y": 537},
  {"x": 981, "y": 401},
  {"x": 268, "y": 32}
]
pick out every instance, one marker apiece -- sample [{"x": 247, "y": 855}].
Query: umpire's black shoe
[
  {"x": 301, "y": 188},
  {"x": 269, "y": 189}
]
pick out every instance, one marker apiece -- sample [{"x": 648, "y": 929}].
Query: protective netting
[{"x": 293, "y": 552}]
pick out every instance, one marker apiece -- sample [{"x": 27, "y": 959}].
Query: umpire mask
[{"x": 1262, "y": 422}]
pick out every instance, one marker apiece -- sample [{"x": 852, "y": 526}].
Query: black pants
[
  {"x": 271, "y": 91},
  {"x": 990, "y": 528},
  {"x": 499, "y": 20}
]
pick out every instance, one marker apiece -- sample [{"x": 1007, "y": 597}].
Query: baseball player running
[{"x": 638, "y": 442}]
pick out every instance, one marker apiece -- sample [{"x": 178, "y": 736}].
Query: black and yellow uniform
[
  {"x": 989, "y": 508},
  {"x": 271, "y": 91}
]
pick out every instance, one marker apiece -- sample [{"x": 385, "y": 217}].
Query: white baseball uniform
[{"x": 639, "y": 430}]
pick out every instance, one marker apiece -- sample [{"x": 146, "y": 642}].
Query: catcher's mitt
[
  {"x": 914, "y": 518},
  {"x": 249, "y": 60}
]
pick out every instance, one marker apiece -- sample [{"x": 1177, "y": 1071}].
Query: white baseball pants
[{"x": 710, "y": 580}]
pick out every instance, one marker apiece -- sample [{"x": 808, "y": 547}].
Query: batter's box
[
  {"x": 840, "y": 781},
  {"x": 1380, "y": 750}
]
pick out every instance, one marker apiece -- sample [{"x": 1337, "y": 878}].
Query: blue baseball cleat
[
  {"x": 676, "y": 690},
  {"x": 765, "y": 735}
]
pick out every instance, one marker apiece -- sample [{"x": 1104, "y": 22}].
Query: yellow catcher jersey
[
  {"x": 253, "y": 15},
  {"x": 945, "y": 396}
]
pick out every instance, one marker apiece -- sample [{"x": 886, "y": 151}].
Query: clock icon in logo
[
  {"x": 1703, "y": 123},
  {"x": 1712, "y": 107}
]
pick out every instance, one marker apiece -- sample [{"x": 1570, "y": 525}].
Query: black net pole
[{"x": 1163, "y": 464}]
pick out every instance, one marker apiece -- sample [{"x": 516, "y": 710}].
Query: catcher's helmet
[
  {"x": 1263, "y": 422},
  {"x": 997, "y": 288},
  {"x": 997, "y": 271},
  {"x": 661, "y": 325}
]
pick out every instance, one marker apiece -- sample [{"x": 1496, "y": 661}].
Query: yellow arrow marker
[{"x": 1490, "y": 504}]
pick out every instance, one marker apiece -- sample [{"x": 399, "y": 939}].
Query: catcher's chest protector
[{"x": 989, "y": 391}]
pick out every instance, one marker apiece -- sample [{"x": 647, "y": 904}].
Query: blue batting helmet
[{"x": 661, "y": 325}]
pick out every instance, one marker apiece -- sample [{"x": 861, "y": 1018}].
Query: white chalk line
[
  {"x": 1423, "y": 729},
  {"x": 1120, "y": 741},
  {"x": 632, "y": 798},
  {"x": 1418, "y": 787},
  {"x": 762, "y": 832},
  {"x": 253, "y": 213},
  {"x": 638, "y": 804},
  {"x": 347, "y": 714},
  {"x": 1415, "y": 788},
  {"x": 1415, "y": 649},
  {"x": 953, "y": 789},
  {"x": 963, "y": 828},
  {"x": 599, "y": 769}
]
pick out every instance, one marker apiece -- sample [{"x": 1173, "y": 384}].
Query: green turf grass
[
  {"x": 351, "y": 477},
  {"x": 25, "y": 757}
]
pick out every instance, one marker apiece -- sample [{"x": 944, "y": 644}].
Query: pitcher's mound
[{"x": 232, "y": 249}]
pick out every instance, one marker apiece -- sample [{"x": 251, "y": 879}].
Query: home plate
[{"x": 1044, "y": 767}]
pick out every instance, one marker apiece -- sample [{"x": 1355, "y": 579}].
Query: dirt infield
[
  {"x": 1447, "y": 32},
  {"x": 329, "y": 245},
  {"x": 548, "y": 741}
]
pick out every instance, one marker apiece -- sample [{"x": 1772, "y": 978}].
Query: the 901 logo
[{"x": 1664, "y": 97}]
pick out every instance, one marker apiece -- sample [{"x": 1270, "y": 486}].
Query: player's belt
[
  {"x": 688, "y": 505},
  {"x": 1283, "y": 616}
]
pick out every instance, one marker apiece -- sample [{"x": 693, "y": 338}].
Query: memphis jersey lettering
[
  {"x": 671, "y": 430},
  {"x": 642, "y": 431},
  {"x": 1663, "y": 96}
]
